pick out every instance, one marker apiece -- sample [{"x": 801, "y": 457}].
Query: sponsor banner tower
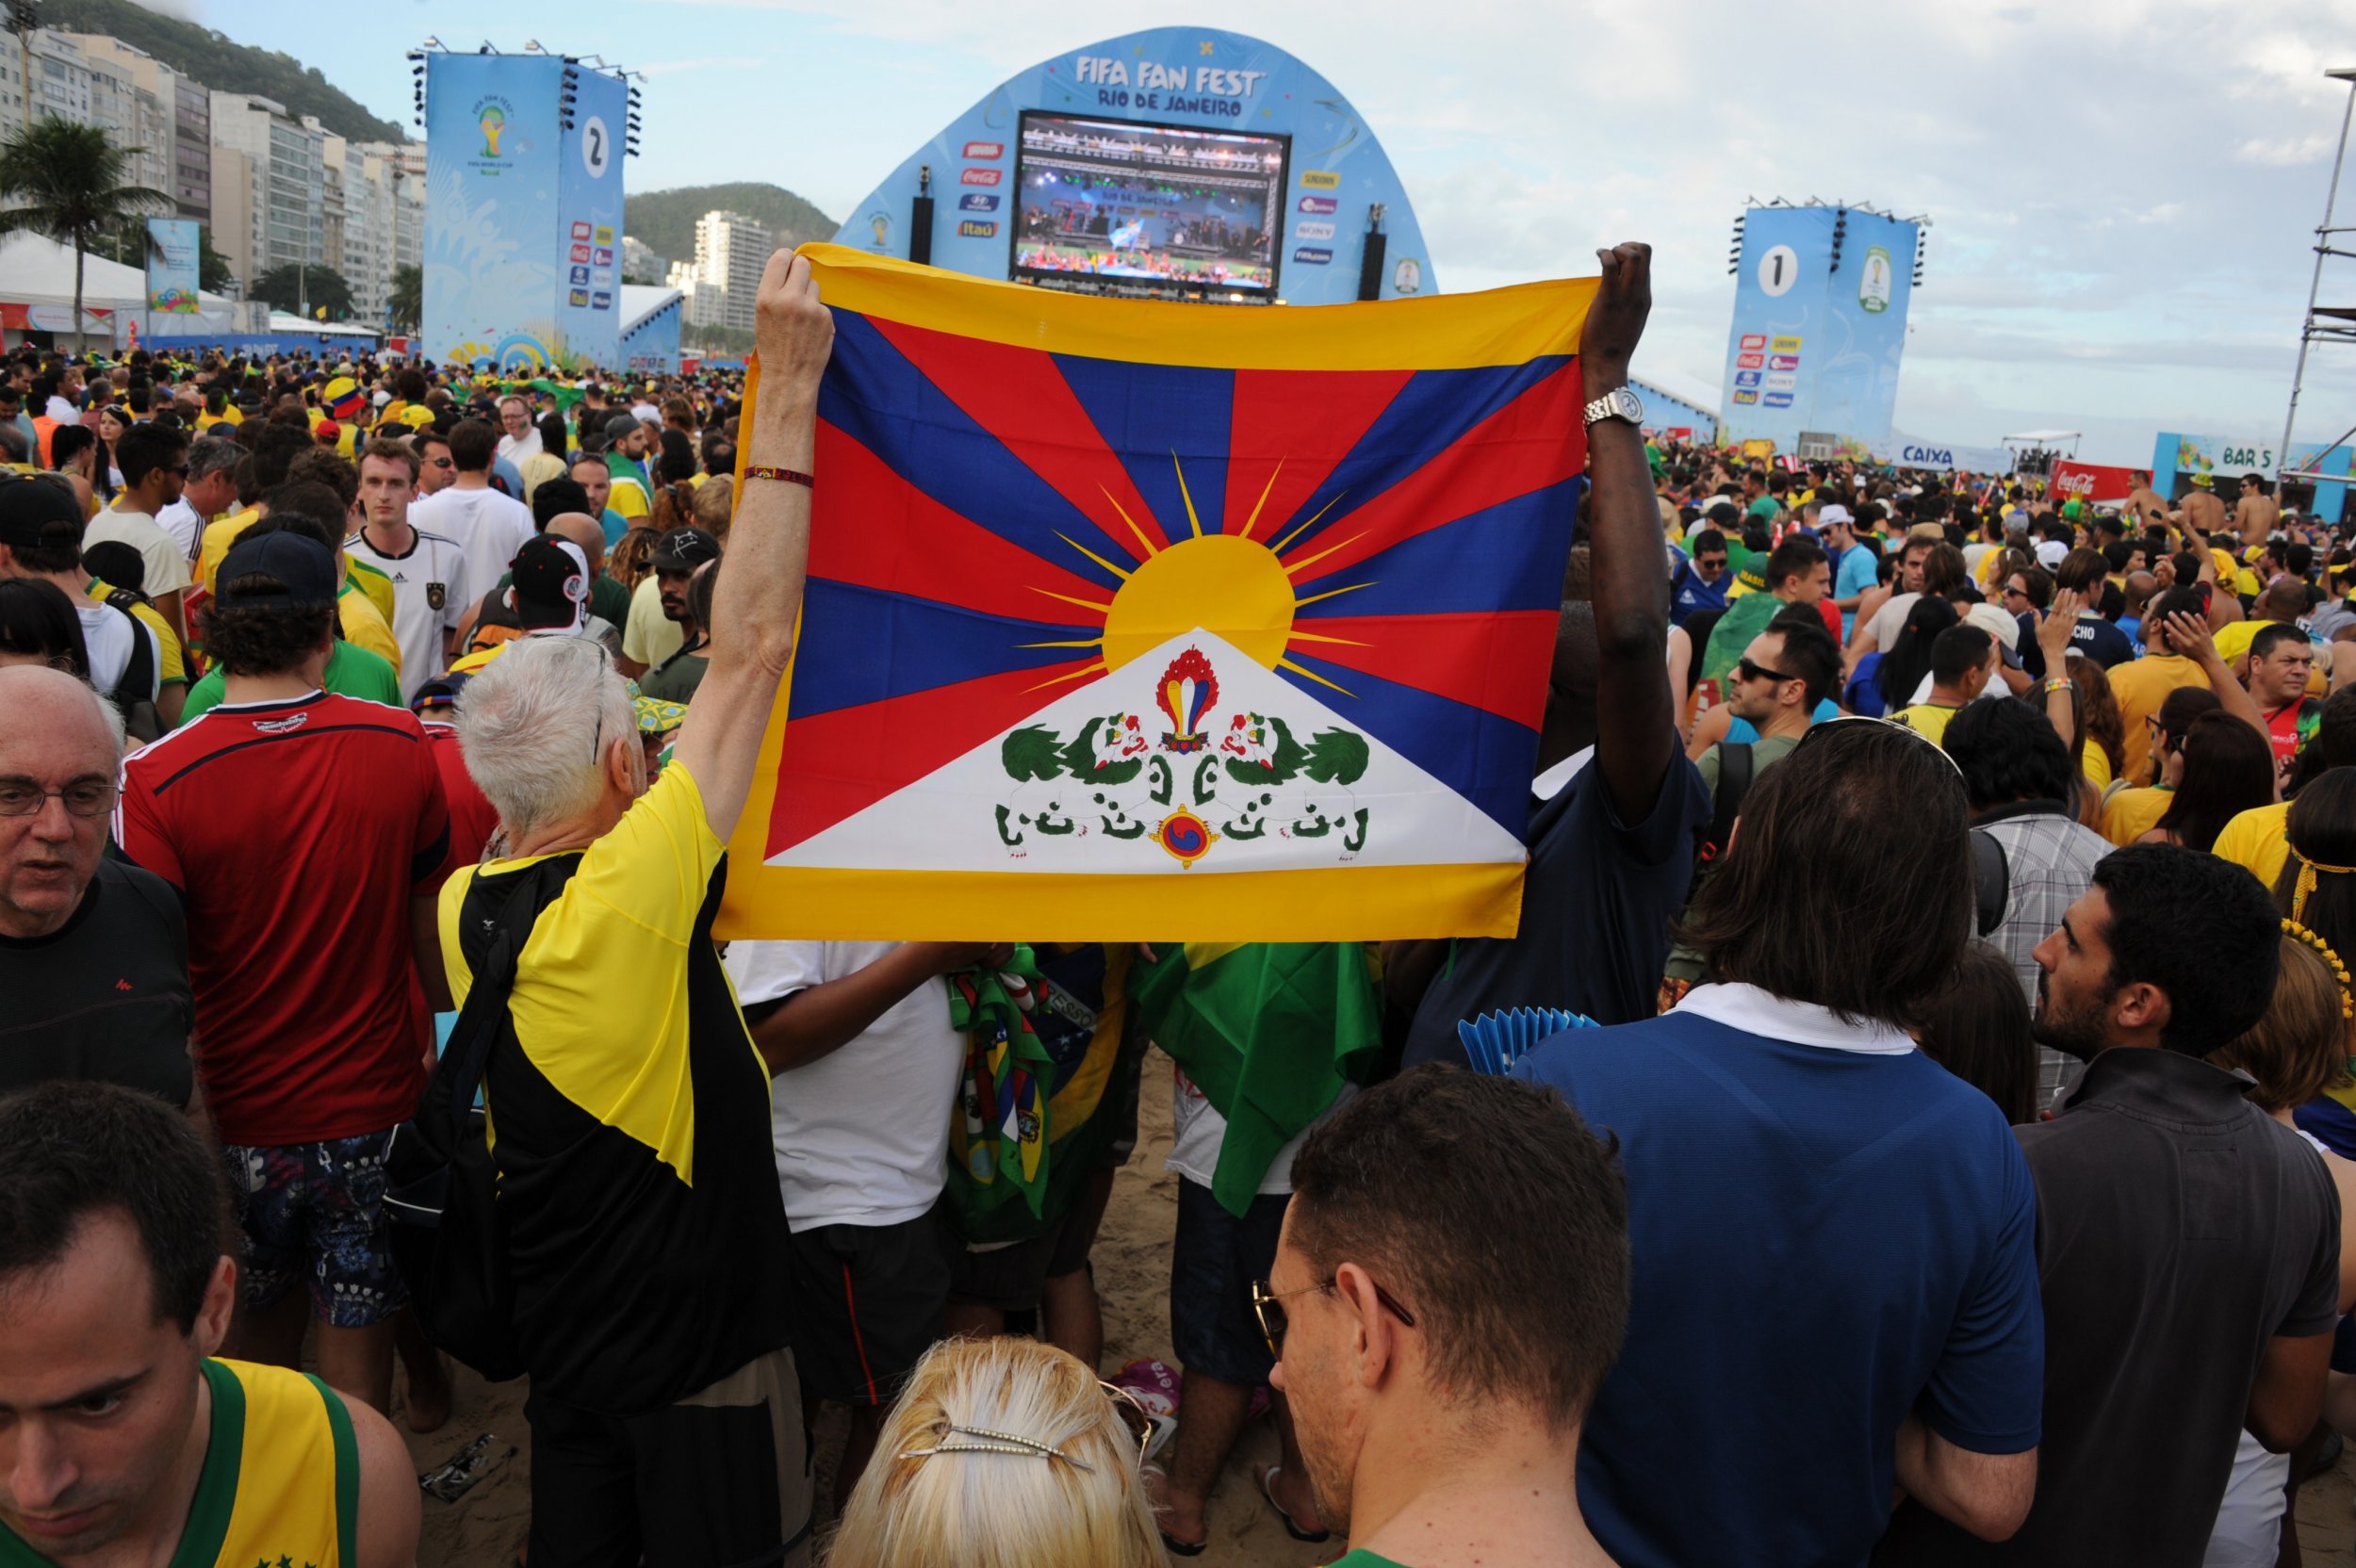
[{"x": 523, "y": 212}]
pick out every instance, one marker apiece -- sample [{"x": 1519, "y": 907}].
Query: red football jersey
[
  {"x": 472, "y": 819},
  {"x": 297, "y": 831}
]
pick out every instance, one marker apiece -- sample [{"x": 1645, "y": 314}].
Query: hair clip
[
  {"x": 2339, "y": 970},
  {"x": 999, "y": 1443}
]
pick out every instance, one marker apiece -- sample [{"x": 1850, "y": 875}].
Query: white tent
[{"x": 36, "y": 274}]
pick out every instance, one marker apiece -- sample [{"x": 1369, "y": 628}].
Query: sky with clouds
[{"x": 2123, "y": 193}]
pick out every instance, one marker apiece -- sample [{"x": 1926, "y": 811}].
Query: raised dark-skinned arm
[{"x": 1635, "y": 730}]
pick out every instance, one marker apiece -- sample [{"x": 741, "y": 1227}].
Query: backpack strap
[
  {"x": 1991, "y": 880},
  {"x": 138, "y": 677}
]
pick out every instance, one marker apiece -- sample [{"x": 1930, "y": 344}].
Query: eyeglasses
[
  {"x": 21, "y": 797},
  {"x": 1132, "y": 1413},
  {"x": 1748, "y": 670},
  {"x": 438, "y": 462},
  {"x": 2012, "y": 592},
  {"x": 1266, "y": 1306}
]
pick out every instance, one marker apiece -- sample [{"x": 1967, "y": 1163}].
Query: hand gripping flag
[{"x": 1130, "y": 617}]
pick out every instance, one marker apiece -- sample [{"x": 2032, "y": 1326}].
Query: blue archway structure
[{"x": 1178, "y": 162}]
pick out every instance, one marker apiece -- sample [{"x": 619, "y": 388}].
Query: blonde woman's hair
[
  {"x": 2299, "y": 1048},
  {"x": 995, "y": 1510}
]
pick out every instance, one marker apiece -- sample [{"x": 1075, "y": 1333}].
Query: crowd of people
[{"x": 1948, "y": 1164}]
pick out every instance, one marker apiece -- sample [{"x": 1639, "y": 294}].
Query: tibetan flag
[{"x": 1128, "y": 619}]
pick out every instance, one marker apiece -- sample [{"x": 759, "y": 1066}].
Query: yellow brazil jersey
[
  {"x": 280, "y": 1483},
  {"x": 217, "y": 538},
  {"x": 370, "y": 581},
  {"x": 2257, "y": 840},
  {"x": 364, "y": 625},
  {"x": 228, "y": 416},
  {"x": 626, "y": 1096},
  {"x": 1927, "y": 719},
  {"x": 2133, "y": 813},
  {"x": 2096, "y": 764}
]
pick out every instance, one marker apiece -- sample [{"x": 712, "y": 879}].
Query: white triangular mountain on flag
[{"x": 1192, "y": 759}]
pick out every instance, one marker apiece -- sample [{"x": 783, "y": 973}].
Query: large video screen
[{"x": 1110, "y": 206}]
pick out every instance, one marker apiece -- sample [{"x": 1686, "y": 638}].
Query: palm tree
[
  {"x": 66, "y": 181},
  {"x": 408, "y": 297}
]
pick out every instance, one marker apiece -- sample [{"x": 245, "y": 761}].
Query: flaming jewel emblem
[{"x": 1186, "y": 692}]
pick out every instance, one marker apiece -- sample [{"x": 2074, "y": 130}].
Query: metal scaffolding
[{"x": 2324, "y": 323}]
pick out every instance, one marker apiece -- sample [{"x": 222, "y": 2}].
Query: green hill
[
  {"x": 664, "y": 221},
  {"x": 221, "y": 64}
]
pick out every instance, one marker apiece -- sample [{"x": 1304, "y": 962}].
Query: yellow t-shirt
[
  {"x": 2258, "y": 838},
  {"x": 217, "y": 538},
  {"x": 2141, "y": 685},
  {"x": 2096, "y": 764},
  {"x": 2133, "y": 813},
  {"x": 1928, "y": 720},
  {"x": 648, "y": 636},
  {"x": 228, "y": 416},
  {"x": 630, "y": 909}
]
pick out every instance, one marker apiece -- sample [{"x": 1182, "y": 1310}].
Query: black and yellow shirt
[
  {"x": 280, "y": 1483},
  {"x": 628, "y": 1113}
]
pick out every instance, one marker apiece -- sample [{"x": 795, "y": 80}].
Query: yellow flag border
[{"x": 1347, "y": 902}]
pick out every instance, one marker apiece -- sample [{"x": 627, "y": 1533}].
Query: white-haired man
[{"x": 646, "y": 1240}]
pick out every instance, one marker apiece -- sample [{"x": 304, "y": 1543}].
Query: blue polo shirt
[
  {"x": 1689, "y": 595},
  {"x": 1828, "y": 1231}
]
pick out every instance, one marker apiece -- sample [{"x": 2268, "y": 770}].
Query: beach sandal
[
  {"x": 1170, "y": 1543},
  {"x": 1267, "y": 1490}
]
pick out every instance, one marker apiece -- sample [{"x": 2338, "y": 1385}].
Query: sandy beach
[{"x": 484, "y": 1528}]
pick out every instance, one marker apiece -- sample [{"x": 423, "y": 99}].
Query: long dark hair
[
  {"x": 38, "y": 621},
  {"x": 2228, "y": 769},
  {"x": 1909, "y": 659},
  {"x": 1850, "y": 883},
  {"x": 1978, "y": 1028},
  {"x": 2321, "y": 827}
]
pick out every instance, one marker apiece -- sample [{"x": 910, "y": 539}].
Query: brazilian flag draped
[
  {"x": 1079, "y": 1013},
  {"x": 1004, "y": 1097},
  {"x": 1270, "y": 1032}
]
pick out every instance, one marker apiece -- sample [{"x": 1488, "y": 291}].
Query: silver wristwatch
[{"x": 1618, "y": 403}]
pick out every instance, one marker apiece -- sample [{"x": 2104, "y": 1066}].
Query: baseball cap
[
  {"x": 301, "y": 571},
  {"x": 620, "y": 425},
  {"x": 34, "y": 511},
  {"x": 1992, "y": 619},
  {"x": 1932, "y": 531},
  {"x": 2050, "y": 553},
  {"x": 683, "y": 549},
  {"x": 1835, "y": 512},
  {"x": 645, "y": 414},
  {"x": 327, "y": 430},
  {"x": 2203, "y": 481},
  {"x": 552, "y": 582}
]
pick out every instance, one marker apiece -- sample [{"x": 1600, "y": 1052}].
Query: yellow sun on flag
[{"x": 1231, "y": 585}]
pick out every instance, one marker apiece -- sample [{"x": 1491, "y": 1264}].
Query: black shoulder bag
[{"x": 441, "y": 1187}]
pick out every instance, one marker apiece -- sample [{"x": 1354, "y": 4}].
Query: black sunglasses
[
  {"x": 1268, "y": 1306},
  {"x": 1750, "y": 671}
]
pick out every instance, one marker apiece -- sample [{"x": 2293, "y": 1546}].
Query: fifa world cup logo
[{"x": 492, "y": 122}]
